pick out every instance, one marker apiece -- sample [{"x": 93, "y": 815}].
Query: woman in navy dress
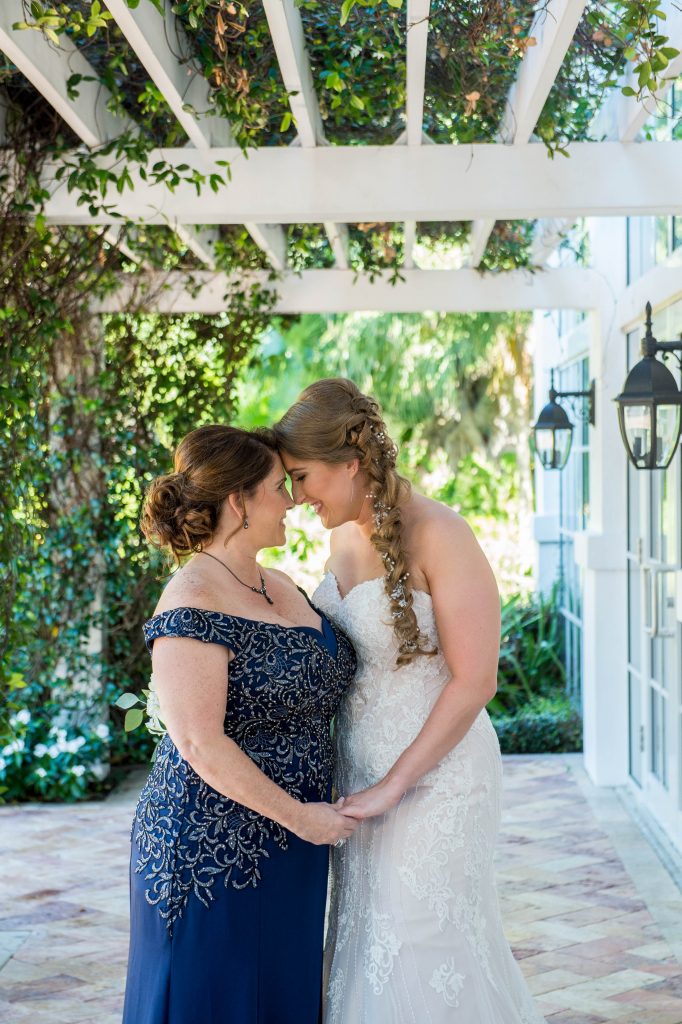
[{"x": 231, "y": 834}]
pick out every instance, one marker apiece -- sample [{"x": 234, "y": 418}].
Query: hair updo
[
  {"x": 334, "y": 422},
  {"x": 181, "y": 509}
]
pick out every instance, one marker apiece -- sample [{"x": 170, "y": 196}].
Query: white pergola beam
[
  {"x": 272, "y": 240},
  {"x": 547, "y": 236},
  {"x": 116, "y": 240},
  {"x": 417, "y": 36},
  {"x": 338, "y": 239},
  {"x": 48, "y": 69},
  {"x": 409, "y": 239},
  {"x": 159, "y": 41},
  {"x": 200, "y": 242},
  {"x": 553, "y": 29},
  {"x": 622, "y": 117},
  {"x": 481, "y": 230},
  {"x": 342, "y": 291},
  {"x": 292, "y": 185},
  {"x": 286, "y": 29}
]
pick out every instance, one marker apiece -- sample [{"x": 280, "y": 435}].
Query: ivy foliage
[{"x": 92, "y": 409}]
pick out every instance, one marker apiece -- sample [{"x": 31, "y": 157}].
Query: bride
[{"x": 415, "y": 933}]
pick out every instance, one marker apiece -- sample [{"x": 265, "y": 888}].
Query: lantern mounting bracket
[
  {"x": 651, "y": 347},
  {"x": 584, "y": 410}
]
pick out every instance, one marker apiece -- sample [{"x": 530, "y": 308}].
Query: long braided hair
[{"x": 333, "y": 421}]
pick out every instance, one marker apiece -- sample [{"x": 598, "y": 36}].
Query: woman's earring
[{"x": 246, "y": 523}]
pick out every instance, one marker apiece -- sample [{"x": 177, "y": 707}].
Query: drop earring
[{"x": 246, "y": 523}]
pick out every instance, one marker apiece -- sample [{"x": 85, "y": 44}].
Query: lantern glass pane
[
  {"x": 637, "y": 422},
  {"x": 562, "y": 443},
  {"x": 552, "y": 446},
  {"x": 667, "y": 432},
  {"x": 544, "y": 446}
]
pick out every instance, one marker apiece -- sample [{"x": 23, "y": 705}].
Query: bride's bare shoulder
[
  {"x": 343, "y": 537},
  {"x": 423, "y": 514}
]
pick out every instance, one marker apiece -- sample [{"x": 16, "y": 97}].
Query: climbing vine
[{"x": 93, "y": 410}]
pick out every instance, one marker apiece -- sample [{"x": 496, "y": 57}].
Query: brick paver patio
[{"x": 592, "y": 915}]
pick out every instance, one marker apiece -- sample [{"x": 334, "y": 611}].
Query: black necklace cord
[{"x": 257, "y": 590}]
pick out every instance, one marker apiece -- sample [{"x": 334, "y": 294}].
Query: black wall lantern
[
  {"x": 649, "y": 405},
  {"x": 553, "y": 432}
]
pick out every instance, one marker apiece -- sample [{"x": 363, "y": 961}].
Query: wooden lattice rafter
[
  {"x": 553, "y": 29},
  {"x": 158, "y": 41},
  {"x": 88, "y": 114},
  {"x": 621, "y": 118}
]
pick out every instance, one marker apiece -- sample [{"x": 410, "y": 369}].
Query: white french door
[{"x": 655, "y": 635}]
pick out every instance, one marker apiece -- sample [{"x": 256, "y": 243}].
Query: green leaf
[
  {"x": 133, "y": 718},
  {"x": 127, "y": 700},
  {"x": 627, "y": 90},
  {"x": 286, "y": 121},
  {"x": 355, "y": 101},
  {"x": 346, "y": 8},
  {"x": 395, "y": 3}
]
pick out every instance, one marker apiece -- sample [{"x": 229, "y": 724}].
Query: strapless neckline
[{"x": 364, "y": 583}]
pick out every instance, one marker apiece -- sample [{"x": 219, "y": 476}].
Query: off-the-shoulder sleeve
[{"x": 196, "y": 623}]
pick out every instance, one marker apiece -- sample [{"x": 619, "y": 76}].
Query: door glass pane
[
  {"x": 635, "y": 708},
  {"x": 634, "y": 616}
]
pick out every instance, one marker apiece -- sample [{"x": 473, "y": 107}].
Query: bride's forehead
[{"x": 292, "y": 464}]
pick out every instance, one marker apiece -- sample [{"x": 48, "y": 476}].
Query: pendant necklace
[{"x": 257, "y": 590}]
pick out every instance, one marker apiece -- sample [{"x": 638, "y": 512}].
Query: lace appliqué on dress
[{"x": 446, "y": 981}]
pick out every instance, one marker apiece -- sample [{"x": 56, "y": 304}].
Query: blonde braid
[{"x": 388, "y": 492}]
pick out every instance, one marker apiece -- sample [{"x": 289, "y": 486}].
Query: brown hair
[
  {"x": 181, "y": 509},
  {"x": 333, "y": 421}
]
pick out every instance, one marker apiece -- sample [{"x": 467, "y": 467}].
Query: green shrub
[
  {"x": 531, "y": 653},
  {"x": 548, "y": 725}
]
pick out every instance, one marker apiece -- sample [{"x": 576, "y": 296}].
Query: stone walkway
[{"x": 593, "y": 917}]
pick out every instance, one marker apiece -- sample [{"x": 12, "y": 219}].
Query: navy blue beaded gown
[{"x": 227, "y": 906}]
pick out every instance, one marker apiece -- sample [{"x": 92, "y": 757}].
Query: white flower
[
  {"x": 3, "y": 764},
  {"x": 102, "y": 731},
  {"x": 73, "y": 746},
  {"x": 15, "y": 747},
  {"x": 41, "y": 773},
  {"x": 39, "y": 750},
  {"x": 54, "y": 750},
  {"x": 78, "y": 770},
  {"x": 154, "y": 724},
  {"x": 23, "y": 716}
]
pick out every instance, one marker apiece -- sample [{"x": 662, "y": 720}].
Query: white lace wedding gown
[{"x": 415, "y": 935}]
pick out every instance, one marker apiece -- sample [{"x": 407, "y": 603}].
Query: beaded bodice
[{"x": 285, "y": 683}]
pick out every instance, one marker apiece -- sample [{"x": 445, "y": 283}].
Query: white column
[
  {"x": 546, "y": 354},
  {"x": 601, "y": 549}
]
